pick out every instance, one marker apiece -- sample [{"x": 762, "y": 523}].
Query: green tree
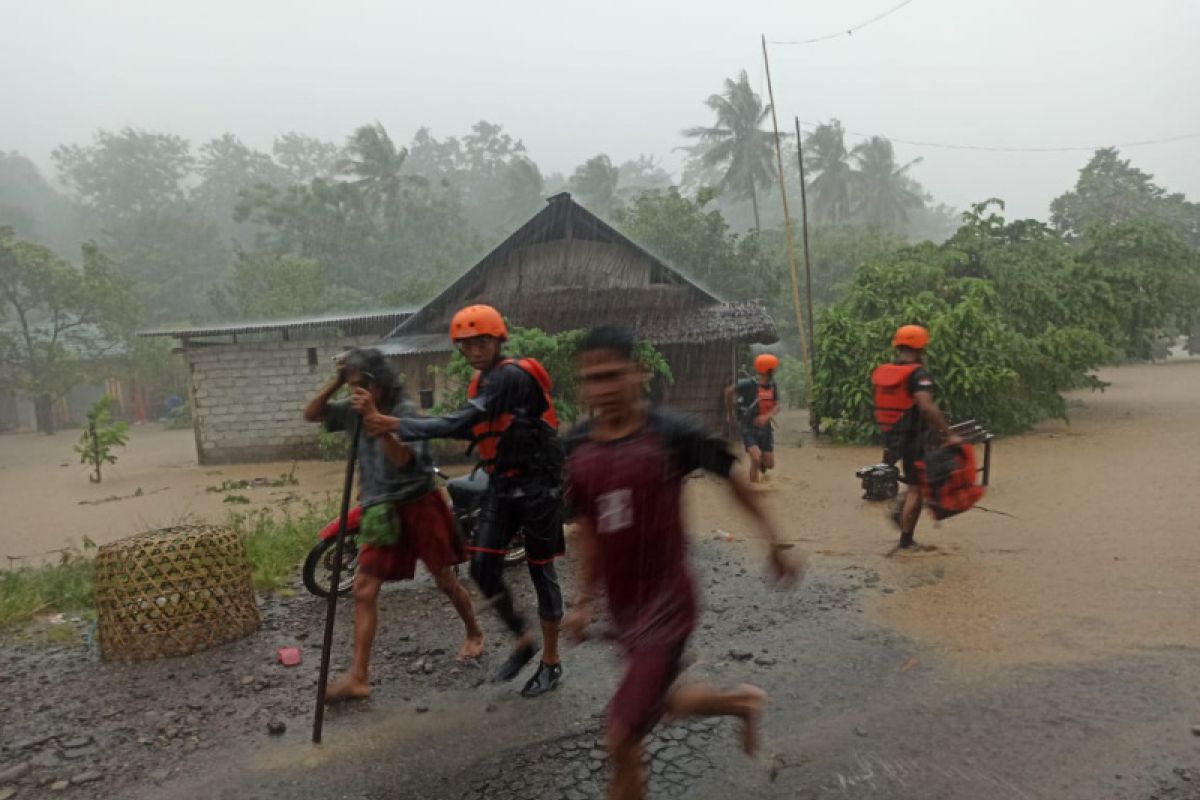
[
  {"x": 885, "y": 194},
  {"x": 524, "y": 189},
  {"x": 226, "y": 166},
  {"x": 832, "y": 177},
  {"x": 737, "y": 142},
  {"x": 304, "y": 158},
  {"x": 266, "y": 286},
  {"x": 595, "y": 184},
  {"x": 34, "y": 209},
  {"x": 374, "y": 164},
  {"x": 126, "y": 172},
  {"x": 102, "y": 435},
  {"x": 1111, "y": 191},
  {"x": 56, "y": 319}
]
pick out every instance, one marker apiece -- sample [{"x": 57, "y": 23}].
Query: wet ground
[{"x": 1054, "y": 654}]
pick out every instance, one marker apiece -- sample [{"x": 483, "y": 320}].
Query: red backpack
[{"x": 947, "y": 477}]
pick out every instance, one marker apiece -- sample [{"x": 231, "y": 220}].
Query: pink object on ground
[{"x": 288, "y": 656}]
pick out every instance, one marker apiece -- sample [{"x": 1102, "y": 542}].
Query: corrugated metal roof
[
  {"x": 416, "y": 344},
  {"x": 382, "y": 319}
]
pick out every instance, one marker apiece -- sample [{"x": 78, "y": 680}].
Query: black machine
[{"x": 882, "y": 481}]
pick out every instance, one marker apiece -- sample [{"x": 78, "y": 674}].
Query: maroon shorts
[
  {"x": 640, "y": 699},
  {"x": 428, "y": 534}
]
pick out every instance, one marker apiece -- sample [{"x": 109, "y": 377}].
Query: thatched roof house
[{"x": 567, "y": 269}]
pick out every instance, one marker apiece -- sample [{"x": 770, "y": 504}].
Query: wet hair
[
  {"x": 616, "y": 338},
  {"x": 376, "y": 371}
]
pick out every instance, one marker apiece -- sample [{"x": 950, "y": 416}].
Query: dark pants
[{"x": 538, "y": 514}]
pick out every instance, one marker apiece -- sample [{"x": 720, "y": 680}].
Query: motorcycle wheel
[{"x": 318, "y": 567}]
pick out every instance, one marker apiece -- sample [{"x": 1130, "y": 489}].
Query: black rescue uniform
[
  {"x": 896, "y": 386},
  {"x": 506, "y": 418}
]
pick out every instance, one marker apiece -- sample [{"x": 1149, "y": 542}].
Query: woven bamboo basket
[{"x": 172, "y": 592}]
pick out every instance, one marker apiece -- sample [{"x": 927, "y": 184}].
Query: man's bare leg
[
  {"x": 909, "y": 514},
  {"x": 755, "y": 460},
  {"x": 628, "y": 777},
  {"x": 745, "y": 702},
  {"x": 355, "y": 684},
  {"x": 448, "y": 582}
]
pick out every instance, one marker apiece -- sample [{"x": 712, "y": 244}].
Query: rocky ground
[{"x": 857, "y": 711}]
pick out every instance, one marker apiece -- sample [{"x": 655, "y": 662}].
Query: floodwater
[
  {"x": 49, "y": 501},
  {"x": 1101, "y": 552}
]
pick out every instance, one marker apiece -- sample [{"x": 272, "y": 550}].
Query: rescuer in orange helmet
[
  {"x": 909, "y": 418},
  {"x": 751, "y": 404},
  {"x": 509, "y": 417}
]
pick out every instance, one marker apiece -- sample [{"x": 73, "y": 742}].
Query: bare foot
[
  {"x": 348, "y": 688},
  {"x": 754, "y": 702},
  {"x": 472, "y": 648}
]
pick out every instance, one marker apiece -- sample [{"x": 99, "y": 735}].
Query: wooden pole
[
  {"x": 787, "y": 226},
  {"x": 335, "y": 578},
  {"x": 813, "y": 422}
]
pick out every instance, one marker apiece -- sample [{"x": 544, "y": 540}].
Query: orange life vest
[
  {"x": 766, "y": 397},
  {"x": 892, "y": 397},
  {"x": 487, "y": 434},
  {"x": 947, "y": 478}
]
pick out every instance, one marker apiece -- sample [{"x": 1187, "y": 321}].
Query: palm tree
[
  {"x": 833, "y": 182},
  {"x": 595, "y": 181},
  {"x": 374, "y": 163},
  {"x": 737, "y": 141},
  {"x": 885, "y": 192}
]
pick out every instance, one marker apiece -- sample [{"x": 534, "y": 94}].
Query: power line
[
  {"x": 992, "y": 149},
  {"x": 849, "y": 31}
]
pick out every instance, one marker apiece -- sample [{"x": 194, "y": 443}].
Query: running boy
[
  {"x": 625, "y": 474},
  {"x": 404, "y": 516}
]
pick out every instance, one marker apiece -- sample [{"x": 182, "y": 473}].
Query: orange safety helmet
[
  {"x": 475, "y": 321},
  {"x": 911, "y": 336},
  {"x": 765, "y": 362}
]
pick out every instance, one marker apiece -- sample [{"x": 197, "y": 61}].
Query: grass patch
[
  {"x": 277, "y": 542},
  {"x": 27, "y": 591}
]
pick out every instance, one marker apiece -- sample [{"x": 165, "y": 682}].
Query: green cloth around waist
[{"x": 380, "y": 526}]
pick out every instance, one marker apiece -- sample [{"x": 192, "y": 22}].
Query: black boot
[
  {"x": 906, "y": 541},
  {"x": 515, "y": 663},
  {"x": 543, "y": 681}
]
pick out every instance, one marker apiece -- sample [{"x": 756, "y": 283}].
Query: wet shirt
[
  {"x": 507, "y": 389},
  {"x": 381, "y": 481},
  {"x": 755, "y": 397},
  {"x": 909, "y": 427},
  {"x": 631, "y": 491}
]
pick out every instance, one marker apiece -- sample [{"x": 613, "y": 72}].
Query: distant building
[{"x": 248, "y": 382}]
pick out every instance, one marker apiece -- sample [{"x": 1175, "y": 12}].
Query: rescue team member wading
[
  {"x": 625, "y": 475},
  {"x": 404, "y": 516},
  {"x": 908, "y": 418},
  {"x": 509, "y": 415},
  {"x": 757, "y": 403}
]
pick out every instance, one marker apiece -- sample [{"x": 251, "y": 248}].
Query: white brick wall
[{"x": 249, "y": 398}]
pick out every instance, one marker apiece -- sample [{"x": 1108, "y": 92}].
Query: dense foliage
[
  {"x": 1016, "y": 316},
  {"x": 557, "y": 354}
]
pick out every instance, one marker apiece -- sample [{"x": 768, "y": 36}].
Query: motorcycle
[{"x": 465, "y": 498}]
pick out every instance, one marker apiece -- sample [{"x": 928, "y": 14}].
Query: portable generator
[{"x": 879, "y": 482}]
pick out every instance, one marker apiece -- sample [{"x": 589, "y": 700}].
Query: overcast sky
[{"x": 575, "y": 79}]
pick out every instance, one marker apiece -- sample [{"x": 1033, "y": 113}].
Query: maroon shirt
[{"x": 631, "y": 491}]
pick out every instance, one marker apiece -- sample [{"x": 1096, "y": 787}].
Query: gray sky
[{"x": 624, "y": 77}]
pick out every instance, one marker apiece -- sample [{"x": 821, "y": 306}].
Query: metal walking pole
[{"x": 331, "y": 608}]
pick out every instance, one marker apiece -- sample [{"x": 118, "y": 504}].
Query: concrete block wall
[{"x": 248, "y": 398}]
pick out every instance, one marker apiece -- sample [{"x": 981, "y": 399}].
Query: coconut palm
[
  {"x": 832, "y": 184},
  {"x": 885, "y": 194},
  {"x": 737, "y": 142},
  {"x": 373, "y": 162}
]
